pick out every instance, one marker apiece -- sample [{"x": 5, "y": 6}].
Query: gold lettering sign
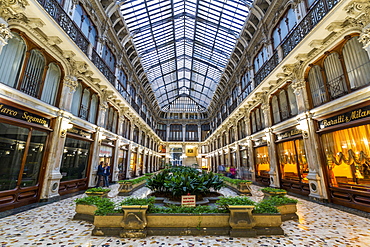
[
  {"x": 346, "y": 117},
  {"x": 23, "y": 115},
  {"x": 289, "y": 133}
]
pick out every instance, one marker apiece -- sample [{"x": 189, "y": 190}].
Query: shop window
[
  {"x": 347, "y": 155},
  {"x": 292, "y": 160},
  {"x": 75, "y": 159},
  {"x": 341, "y": 71},
  {"x": 83, "y": 21},
  {"x": 282, "y": 29},
  {"x": 262, "y": 161},
  {"x": 284, "y": 104},
  {"x": 85, "y": 103},
  {"x": 13, "y": 142},
  {"x": 41, "y": 75}
]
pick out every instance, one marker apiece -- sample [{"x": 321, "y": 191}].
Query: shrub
[
  {"x": 173, "y": 209},
  {"x": 235, "y": 181},
  {"x": 99, "y": 189},
  {"x": 265, "y": 207},
  {"x": 278, "y": 201},
  {"x": 105, "y": 206},
  {"x": 269, "y": 189},
  {"x": 137, "y": 201},
  {"x": 223, "y": 202}
]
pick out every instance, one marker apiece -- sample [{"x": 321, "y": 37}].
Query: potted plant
[
  {"x": 241, "y": 219},
  {"x": 269, "y": 192},
  {"x": 101, "y": 192}
]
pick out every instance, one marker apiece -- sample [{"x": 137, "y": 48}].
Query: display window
[
  {"x": 245, "y": 167},
  {"x": 292, "y": 160},
  {"x": 347, "y": 154},
  {"x": 75, "y": 159},
  {"x": 21, "y": 154},
  {"x": 122, "y": 158},
  {"x": 133, "y": 161},
  {"x": 262, "y": 161}
]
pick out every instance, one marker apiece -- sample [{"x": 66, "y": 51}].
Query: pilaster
[{"x": 69, "y": 87}]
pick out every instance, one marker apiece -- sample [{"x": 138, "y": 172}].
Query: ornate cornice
[{"x": 11, "y": 8}]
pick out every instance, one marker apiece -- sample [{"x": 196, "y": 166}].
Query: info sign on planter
[{"x": 188, "y": 201}]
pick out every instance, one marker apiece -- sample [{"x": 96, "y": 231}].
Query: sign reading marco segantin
[
  {"x": 16, "y": 113},
  {"x": 345, "y": 117}
]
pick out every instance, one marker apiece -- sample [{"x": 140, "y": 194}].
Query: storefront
[
  {"x": 76, "y": 160},
  {"x": 122, "y": 161},
  {"x": 293, "y": 166},
  {"x": 262, "y": 165},
  {"x": 24, "y": 142},
  {"x": 106, "y": 155},
  {"x": 345, "y": 142},
  {"x": 245, "y": 169},
  {"x": 133, "y": 163}
]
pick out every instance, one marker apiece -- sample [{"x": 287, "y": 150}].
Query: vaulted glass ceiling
[{"x": 184, "y": 46}]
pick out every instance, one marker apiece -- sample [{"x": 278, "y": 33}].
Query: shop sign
[
  {"x": 16, "y": 113},
  {"x": 105, "y": 151},
  {"x": 289, "y": 134},
  {"x": 345, "y": 117},
  {"x": 188, "y": 201},
  {"x": 79, "y": 132}
]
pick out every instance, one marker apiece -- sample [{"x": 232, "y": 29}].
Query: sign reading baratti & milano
[
  {"x": 289, "y": 133},
  {"x": 23, "y": 115},
  {"x": 345, "y": 117}
]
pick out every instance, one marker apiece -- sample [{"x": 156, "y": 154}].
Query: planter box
[
  {"x": 241, "y": 221},
  {"x": 188, "y": 220},
  {"x": 127, "y": 188},
  {"x": 268, "y": 224},
  {"x": 241, "y": 188},
  {"x": 288, "y": 211},
  {"x": 100, "y": 194},
  {"x": 85, "y": 212}
]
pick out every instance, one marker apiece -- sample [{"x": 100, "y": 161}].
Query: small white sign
[{"x": 188, "y": 201}]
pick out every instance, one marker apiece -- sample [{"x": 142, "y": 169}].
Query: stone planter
[
  {"x": 100, "y": 194},
  {"x": 268, "y": 224},
  {"x": 241, "y": 221},
  {"x": 127, "y": 188},
  {"x": 134, "y": 221},
  {"x": 288, "y": 211},
  {"x": 268, "y": 194},
  {"x": 85, "y": 212},
  {"x": 241, "y": 188},
  {"x": 107, "y": 225}
]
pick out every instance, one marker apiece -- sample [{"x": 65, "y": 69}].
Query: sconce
[
  {"x": 101, "y": 137},
  {"x": 64, "y": 127},
  {"x": 304, "y": 127}
]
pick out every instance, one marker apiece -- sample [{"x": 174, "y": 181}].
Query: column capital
[
  {"x": 11, "y": 8},
  {"x": 5, "y": 33}
]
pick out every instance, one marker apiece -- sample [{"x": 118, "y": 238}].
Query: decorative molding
[{"x": 5, "y": 33}]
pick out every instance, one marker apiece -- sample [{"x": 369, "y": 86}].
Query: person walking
[
  {"x": 221, "y": 169},
  {"x": 106, "y": 174},
  {"x": 100, "y": 173},
  {"x": 232, "y": 171}
]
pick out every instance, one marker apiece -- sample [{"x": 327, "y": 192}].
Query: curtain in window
[
  {"x": 357, "y": 63},
  {"x": 292, "y": 100},
  {"x": 262, "y": 161},
  {"x": 51, "y": 84},
  {"x": 93, "y": 108},
  {"x": 11, "y": 59},
  {"x": 317, "y": 86},
  {"x": 287, "y": 160},
  {"x": 76, "y": 100},
  {"x": 334, "y": 74},
  {"x": 275, "y": 109},
  {"x": 253, "y": 122},
  {"x": 115, "y": 117},
  {"x": 33, "y": 74},
  {"x": 84, "y": 110},
  {"x": 284, "y": 109},
  {"x": 347, "y": 155}
]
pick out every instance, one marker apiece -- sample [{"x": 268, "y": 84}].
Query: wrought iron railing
[
  {"x": 66, "y": 23},
  {"x": 103, "y": 67}
]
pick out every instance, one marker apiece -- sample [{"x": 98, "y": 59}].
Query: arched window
[
  {"x": 283, "y": 28},
  {"x": 260, "y": 58},
  {"x": 85, "y": 103},
  {"x": 83, "y": 21},
  {"x": 284, "y": 108},
  {"x": 275, "y": 109},
  {"x": 76, "y": 102},
  {"x": 33, "y": 74},
  {"x": 357, "y": 63},
  {"x": 51, "y": 84},
  {"x": 317, "y": 86},
  {"x": 109, "y": 58},
  {"x": 11, "y": 59},
  {"x": 334, "y": 76},
  {"x": 93, "y": 108},
  {"x": 292, "y": 100}
]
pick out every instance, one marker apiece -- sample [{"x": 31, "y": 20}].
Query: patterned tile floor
[{"x": 52, "y": 225}]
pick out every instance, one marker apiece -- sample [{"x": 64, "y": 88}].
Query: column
[
  {"x": 69, "y": 87},
  {"x": 167, "y": 132},
  {"x": 183, "y": 132},
  {"x": 199, "y": 132},
  {"x": 299, "y": 89},
  {"x": 128, "y": 161},
  {"x": 251, "y": 158}
]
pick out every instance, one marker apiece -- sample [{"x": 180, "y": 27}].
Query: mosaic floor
[{"x": 52, "y": 225}]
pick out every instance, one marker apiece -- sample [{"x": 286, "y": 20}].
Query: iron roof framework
[{"x": 184, "y": 46}]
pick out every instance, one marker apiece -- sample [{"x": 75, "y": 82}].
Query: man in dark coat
[{"x": 100, "y": 173}]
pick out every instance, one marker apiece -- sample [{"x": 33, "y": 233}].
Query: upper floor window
[
  {"x": 231, "y": 135},
  {"x": 257, "y": 119},
  {"x": 26, "y": 67},
  {"x": 85, "y": 103},
  {"x": 341, "y": 71},
  {"x": 109, "y": 58},
  {"x": 261, "y": 58},
  {"x": 242, "y": 131},
  {"x": 191, "y": 133},
  {"x": 111, "y": 119},
  {"x": 285, "y": 25},
  {"x": 175, "y": 132},
  {"x": 83, "y": 21},
  {"x": 284, "y": 104}
]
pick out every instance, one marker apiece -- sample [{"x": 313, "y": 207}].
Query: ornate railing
[
  {"x": 135, "y": 106},
  {"x": 313, "y": 17},
  {"x": 103, "y": 67},
  {"x": 66, "y": 23}
]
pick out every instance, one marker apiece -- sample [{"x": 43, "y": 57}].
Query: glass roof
[{"x": 184, "y": 46}]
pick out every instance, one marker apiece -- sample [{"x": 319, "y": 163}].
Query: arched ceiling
[{"x": 184, "y": 46}]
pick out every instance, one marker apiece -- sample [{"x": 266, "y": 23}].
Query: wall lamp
[{"x": 64, "y": 128}]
